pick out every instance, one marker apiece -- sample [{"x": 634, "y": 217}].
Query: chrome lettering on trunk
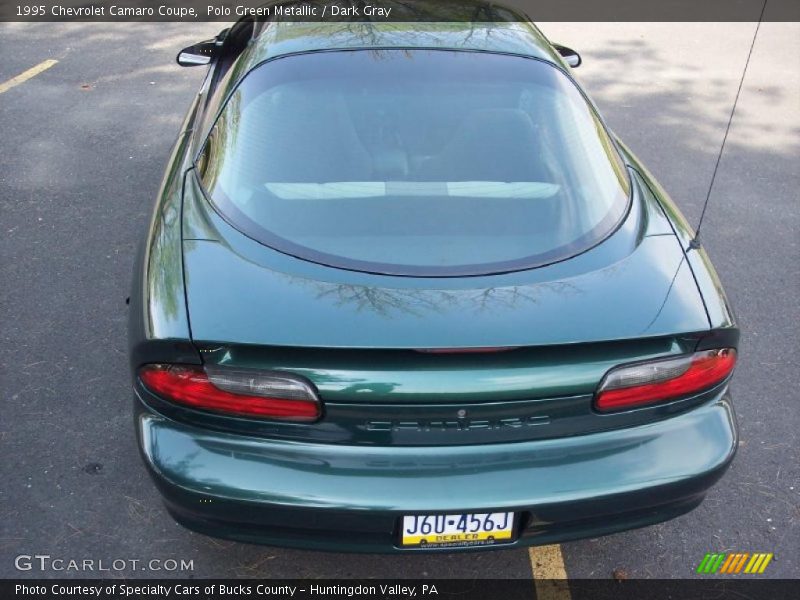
[{"x": 457, "y": 425}]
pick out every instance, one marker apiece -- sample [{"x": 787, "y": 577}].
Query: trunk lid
[
  {"x": 635, "y": 284},
  {"x": 363, "y": 339}
]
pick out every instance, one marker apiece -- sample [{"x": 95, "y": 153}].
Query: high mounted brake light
[
  {"x": 236, "y": 392},
  {"x": 641, "y": 384}
]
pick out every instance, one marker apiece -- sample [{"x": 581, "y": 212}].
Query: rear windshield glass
[{"x": 414, "y": 162}]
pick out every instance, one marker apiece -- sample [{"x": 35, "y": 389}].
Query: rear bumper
[{"x": 350, "y": 498}]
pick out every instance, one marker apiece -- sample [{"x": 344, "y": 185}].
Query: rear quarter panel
[
  {"x": 158, "y": 322},
  {"x": 719, "y": 310}
]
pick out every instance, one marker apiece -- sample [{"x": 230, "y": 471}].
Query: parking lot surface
[{"x": 83, "y": 147}]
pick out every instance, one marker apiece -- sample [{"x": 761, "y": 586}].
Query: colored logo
[{"x": 734, "y": 563}]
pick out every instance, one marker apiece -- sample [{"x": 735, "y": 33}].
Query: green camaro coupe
[{"x": 403, "y": 290}]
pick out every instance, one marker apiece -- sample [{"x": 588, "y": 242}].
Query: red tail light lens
[
  {"x": 236, "y": 392},
  {"x": 631, "y": 386}
]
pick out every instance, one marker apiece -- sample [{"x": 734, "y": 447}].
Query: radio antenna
[{"x": 696, "y": 241}]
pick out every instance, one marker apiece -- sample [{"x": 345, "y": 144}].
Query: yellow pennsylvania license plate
[{"x": 476, "y": 529}]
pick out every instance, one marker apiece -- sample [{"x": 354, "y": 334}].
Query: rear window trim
[
  {"x": 257, "y": 233},
  {"x": 247, "y": 227}
]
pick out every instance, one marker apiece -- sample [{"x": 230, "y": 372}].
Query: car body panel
[
  {"x": 288, "y": 310},
  {"x": 421, "y": 479},
  {"x": 414, "y": 407},
  {"x": 718, "y": 307},
  {"x": 308, "y": 495},
  {"x": 158, "y": 325},
  {"x": 237, "y": 289},
  {"x": 421, "y": 378},
  {"x": 526, "y": 436}
]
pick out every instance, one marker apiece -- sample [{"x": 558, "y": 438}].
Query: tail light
[
  {"x": 236, "y": 392},
  {"x": 631, "y": 386}
]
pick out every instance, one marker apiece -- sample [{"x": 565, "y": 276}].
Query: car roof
[{"x": 496, "y": 28}]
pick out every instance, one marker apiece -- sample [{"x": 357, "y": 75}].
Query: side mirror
[
  {"x": 572, "y": 58},
  {"x": 200, "y": 53}
]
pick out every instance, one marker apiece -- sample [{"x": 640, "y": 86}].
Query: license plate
[{"x": 476, "y": 529}]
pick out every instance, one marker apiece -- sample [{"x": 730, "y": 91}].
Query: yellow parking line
[
  {"x": 25, "y": 75},
  {"x": 549, "y": 573}
]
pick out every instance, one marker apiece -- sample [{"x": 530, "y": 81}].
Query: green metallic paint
[
  {"x": 239, "y": 290},
  {"x": 434, "y": 423},
  {"x": 279, "y": 492},
  {"x": 388, "y": 377},
  {"x": 719, "y": 311},
  {"x": 158, "y": 326},
  {"x": 342, "y": 483},
  {"x": 432, "y": 479}
]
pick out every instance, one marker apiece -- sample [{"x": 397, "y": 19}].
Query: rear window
[{"x": 414, "y": 162}]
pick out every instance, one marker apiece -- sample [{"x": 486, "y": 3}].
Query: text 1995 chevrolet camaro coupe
[{"x": 404, "y": 291}]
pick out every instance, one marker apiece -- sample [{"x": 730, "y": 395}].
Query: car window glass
[{"x": 415, "y": 162}]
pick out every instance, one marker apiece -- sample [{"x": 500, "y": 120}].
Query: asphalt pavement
[{"x": 83, "y": 145}]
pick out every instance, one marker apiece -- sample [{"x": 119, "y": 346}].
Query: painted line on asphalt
[
  {"x": 25, "y": 75},
  {"x": 549, "y": 573}
]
